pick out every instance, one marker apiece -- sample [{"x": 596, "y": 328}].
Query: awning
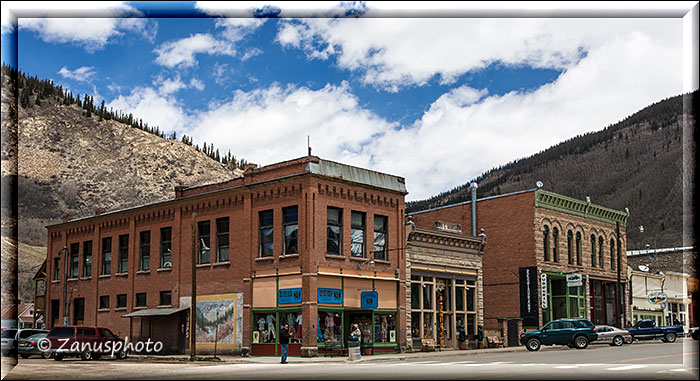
[{"x": 155, "y": 312}]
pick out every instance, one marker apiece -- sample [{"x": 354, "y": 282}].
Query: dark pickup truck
[{"x": 647, "y": 330}]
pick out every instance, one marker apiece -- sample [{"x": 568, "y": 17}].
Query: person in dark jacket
[{"x": 284, "y": 342}]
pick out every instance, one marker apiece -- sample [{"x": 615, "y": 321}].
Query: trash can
[{"x": 354, "y": 353}]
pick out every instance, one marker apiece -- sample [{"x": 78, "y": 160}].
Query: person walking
[{"x": 284, "y": 342}]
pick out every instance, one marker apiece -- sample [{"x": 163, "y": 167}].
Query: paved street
[{"x": 647, "y": 360}]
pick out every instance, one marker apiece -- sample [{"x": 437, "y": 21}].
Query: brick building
[
  {"x": 548, "y": 257},
  {"x": 309, "y": 242},
  {"x": 444, "y": 291}
]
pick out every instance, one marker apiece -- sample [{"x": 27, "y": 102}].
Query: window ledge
[
  {"x": 361, "y": 259},
  {"x": 103, "y": 310},
  {"x": 86, "y": 278},
  {"x": 122, "y": 274},
  {"x": 335, "y": 256},
  {"x": 139, "y": 308},
  {"x": 73, "y": 279},
  {"x": 263, "y": 259},
  {"x": 165, "y": 269},
  {"x": 120, "y": 309},
  {"x": 227, "y": 263},
  {"x": 166, "y": 306},
  {"x": 295, "y": 255},
  {"x": 55, "y": 281},
  {"x": 143, "y": 272},
  {"x": 382, "y": 261},
  {"x": 104, "y": 276},
  {"x": 202, "y": 265}
]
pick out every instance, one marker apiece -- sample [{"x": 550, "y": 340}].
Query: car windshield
[
  {"x": 62, "y": 332},
  {"x": 37, "y": 336},
  {"x": 585, "y": 323},
  {"x": 9, "y": 333}
]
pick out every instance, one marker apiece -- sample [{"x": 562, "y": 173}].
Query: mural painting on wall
[{"x": 222, "y": 313}]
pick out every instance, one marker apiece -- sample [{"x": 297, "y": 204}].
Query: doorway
[
  {"x": 78, "y": 311},
  {"x": 363, "y": 319}
]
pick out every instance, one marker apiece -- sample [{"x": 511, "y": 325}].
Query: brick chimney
[
  {"x": 99, "y": 211},
  {"x": 179, "y": 189},
  {"x": 249, "y": 166}
]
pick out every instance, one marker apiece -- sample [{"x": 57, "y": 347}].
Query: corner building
[
  {"x": 548, "y": 257},
  {"x": 311, "y": 243}
]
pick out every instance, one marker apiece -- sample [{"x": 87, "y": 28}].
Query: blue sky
[{"x": 438, "y": 101}]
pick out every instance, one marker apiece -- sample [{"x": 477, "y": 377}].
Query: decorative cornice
[{"x": 586, "y": 209}]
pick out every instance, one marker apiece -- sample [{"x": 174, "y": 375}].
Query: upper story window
[
  {"x": 290, "y": 222},
  {"x": 87, "y": 259},
  {"x": 357, "y": 234},
  {"x": 57, "y": 268},
  {"x": 570, "y": 246},
  {"x": 555, "y": 246},
  {"x": 545, "y": 240},
  {"x": 222, "y": 234},
  {"x": 594, "y": 260},
  {"x": 145, "y": 250},
  {"x": 106, "y": 256},
  {"x": 579, "y": 256},
  {"x": 74, "y": 259},
  {"x": 140, "y": 299},
  {"x": 166, "y": 235},
  {"x": 165, "y": 298},
  {"x": 380, "y": 241},
  {"x": 121, "y": 301},
  {"x": 600, "y": 251},
  {"x": 123, "y": 253},
  {"x": 334, "y": 228},
  {"x": 612, "y": 254},
  {"x": 203, "y": 241},
  {"x": 267, "y": 239}
]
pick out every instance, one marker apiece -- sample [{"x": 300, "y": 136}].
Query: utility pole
[
  {"x": 620, "y": 300},
  {"x": 193, "y": 303}
]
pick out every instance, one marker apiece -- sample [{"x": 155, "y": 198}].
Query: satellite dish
[
  {"x": 539, "y": 184},
  {"x": 643, "y": 268}
]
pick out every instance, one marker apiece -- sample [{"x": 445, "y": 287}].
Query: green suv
[{"x": 575, "y": 333}]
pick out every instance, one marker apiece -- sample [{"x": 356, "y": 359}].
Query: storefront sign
[
  {"x": 528, "y": 296},
  {"x": 574, "y": 280},
  {"x": 330, "y": 295},
  {"x": 369, "y": 300},
  {"x": 444, "y": 226},
  {"x": 289, "y": 295},
  {"x": 657, "y": 297},
  {"x": 543, "y": 290}
]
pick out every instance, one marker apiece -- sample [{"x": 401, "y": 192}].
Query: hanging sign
[
  {"x": 528, "y": 296},
  {"x": 574, "y": 280},
  {"x": 369, "y": 300},
  {"x": 289, "y": 295},
  {"x": 330, "y": 295},
  {"x": 657, "y": 297},
  {"x": 543, "y": 290}
]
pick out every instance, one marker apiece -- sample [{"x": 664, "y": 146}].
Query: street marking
[
  {"x": 628, "y": 367},
  {"x": 660, "y": 357},
  {"x": 566, "y": 367},
  {"x": 679, "y": 370}
]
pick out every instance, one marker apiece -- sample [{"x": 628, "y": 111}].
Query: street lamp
[{"x": 65, "y": 285}]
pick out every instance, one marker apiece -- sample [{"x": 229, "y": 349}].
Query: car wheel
[
  {"x": 24, "y": 356},
  {"x": 618, "y": 341},
  {"x": 45, "y": 355},
  {"x": 670, "y": 337},
  {"x": 86, "y": 356},
  {"x": 533, "y": 345},
  {"x": 122, "y": 354},
  {"x": 580, "y": 342},
  {"x": 58, "y": 357}
]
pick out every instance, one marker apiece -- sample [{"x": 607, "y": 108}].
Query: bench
[
  {"x": 332, "y": 348},
  {"x": 427, "y": 345},
  {"x": 495, "y": 341}
]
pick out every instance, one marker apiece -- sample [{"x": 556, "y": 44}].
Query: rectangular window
[
  {"x": 380, "y": 229},
  {"x": 165, "y": 298},
  {"x": 290, "y": 222},
  {"x": 106, "y": 256},
  {"x": 87, "y": 259},
  {"x": 471, "y": 299},
  {"x": 74, "y": 259},
  {"x": 123, "y": 254},
  {"x": 266, "y": 220},
  {"x": 427, "y": 296},
  {"x": 357, "y": 234},
  {"x": 121, "y": 301},
  {"x": 166, "y": 253},
  {"x": 334, "y": 223},
  {"x": 141, "y": 299},
  {"x": 104, "y": 302},
  {"x": 57, "y": 268},
  {"x": 145, "y": 251},
  {"x": 203, "y": 241},
  {"x": 222, "y": 226},
  {"x": 459, "y": 298},
  {"x": 415, "y": 295}
]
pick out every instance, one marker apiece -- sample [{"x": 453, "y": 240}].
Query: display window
[
  {"x": 384, "y": 327},
  {"x": 293, "y": 319},
  {"x": 329, "y": 326},
  {"x": 264, "y": 328}
]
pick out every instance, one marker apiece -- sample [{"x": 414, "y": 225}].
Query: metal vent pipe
[{"x": 473, "y": 187}]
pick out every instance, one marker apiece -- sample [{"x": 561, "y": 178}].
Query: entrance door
[
  {"x": 78, "y": 311},
  {"x": 513, "y": 333},
  {"x": 363, "y": 319},
  {"x": 54, "y": 313}
]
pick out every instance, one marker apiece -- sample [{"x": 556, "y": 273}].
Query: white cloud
[
  {"x": 197, "y": 84},
  {"x": 220, "y": 73},
  {"x": 83, "y": 73},
  {"x": 154, "y": 107},
  {"x": 181, "y": 53},
  {"x": 250, "y": 53}
]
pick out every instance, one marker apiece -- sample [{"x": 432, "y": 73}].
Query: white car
[{"x": 613, "y": 336}]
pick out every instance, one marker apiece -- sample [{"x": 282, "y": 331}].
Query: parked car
[
  {"x": 92, "y": 343},
  {"x": 648, "y": 330},
  {"x": 11, "y": 336},
  {"x": 574, "y": 332},
  {"x": 30, "y": 346},
  {"x": 612, "y": 335},
  {"x": 694, "y": 333}
]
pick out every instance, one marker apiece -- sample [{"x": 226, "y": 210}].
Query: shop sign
[
  {"x": 330, "y": 295},
  {"x": 543, "y": 290},
  {"x": 289, "y": 295},
  {"x": 657, "y": 298},
  {"x": 574, "y": 280},
  {"x": 369, "y": 300},
  {"x": 528, "y": 296}
]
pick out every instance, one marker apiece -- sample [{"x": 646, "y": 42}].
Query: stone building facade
[{"x": 548, "y": 257}]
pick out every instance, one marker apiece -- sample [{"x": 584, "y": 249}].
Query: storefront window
[
  {"x": 330, "y": 326},
  {"x": 471, "y": 302},
  {"x": 415, "y": 296},
  {"x": 384, "y": 328},
  {"x": 264, "y": 325},
  {"x": 364, "y": 322},
  {"x": 293, "y": 319},
  {"x": 427, "y": 324},
  {"x": 471, "y": 324},
  {"x": 459, "y": 298},
  {"x": 428, "y": 296},
  {"x": 415, "y": 325}
]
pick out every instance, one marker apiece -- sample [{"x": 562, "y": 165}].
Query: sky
[{"x": 436, "y": 100}]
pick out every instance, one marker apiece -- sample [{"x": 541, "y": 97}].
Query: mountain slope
[{"x": 636, "y": 163}]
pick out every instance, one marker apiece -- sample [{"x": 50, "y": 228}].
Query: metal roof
[
  {"x": 357, "y": 175},
  {"x": 155, "y": 312}
]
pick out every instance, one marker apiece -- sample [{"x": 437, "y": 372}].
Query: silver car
[{"x": 613, "y": 336}]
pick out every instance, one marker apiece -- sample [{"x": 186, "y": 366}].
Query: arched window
[
  {"x": 612, "y": 254},
  {"x": 579, "y": 257},
  {"x": 570, "y": 246},
  {"x": 600, "y": 251},
  {"x": 594, "y": 261},
  {"x": 545, "y": 239},
  {"x": 555, "y": 247}
]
